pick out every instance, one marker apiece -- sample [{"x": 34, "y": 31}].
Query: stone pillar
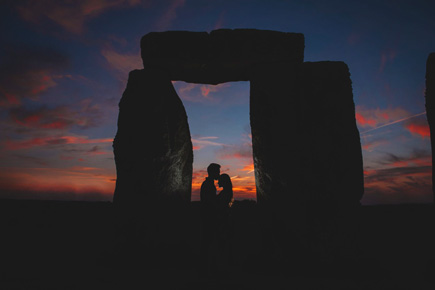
[
  {"x": 332, "y": 166},
  {"x": 307, "y": 151},
  {"x": 430, "y": 107},
  {"x": 152, "y": 147},
  {"x": 275, "y": 114}
]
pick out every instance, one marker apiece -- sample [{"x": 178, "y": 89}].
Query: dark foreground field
[{"x": 72, "y": 245}]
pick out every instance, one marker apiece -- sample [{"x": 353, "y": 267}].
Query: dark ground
[{"x": 70, "y": 245}]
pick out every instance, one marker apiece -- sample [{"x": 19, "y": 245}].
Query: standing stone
[
  {"x": 152, "y": 147},
  {"x": 276, "y": 127},
  {"x": 332, "y": 164},
  {"x": 307, "y": 150},
  {"x": 430, "y": 106}
]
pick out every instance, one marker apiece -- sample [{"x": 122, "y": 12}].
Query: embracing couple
[{"x": 216, "y": 224}]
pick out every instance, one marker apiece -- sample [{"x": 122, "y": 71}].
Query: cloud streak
[
  {"x": 400, "y": 179},
  {"x": 198, "y": 93},
  {"x": 170, "y": 15},
  {"x": 70, "y": 15},
  {"x": 57, "y": 118},
  {"x": 392, "y": 123},
  {"x": 13, "y": 145},
  {"x": 122, "y": 63},
  {"x": 27, "y": 72},
  {"x": 202, "y": 142}
]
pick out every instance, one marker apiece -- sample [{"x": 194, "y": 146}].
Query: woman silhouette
[{"x": 224, "y": 219}]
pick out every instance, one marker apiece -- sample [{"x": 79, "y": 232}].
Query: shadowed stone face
[
  {"x": 430, "y": 104},
  {"x": 153, "y": 149}
]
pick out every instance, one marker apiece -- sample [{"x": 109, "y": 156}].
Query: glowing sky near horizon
[{"x": 64, "y": 66}]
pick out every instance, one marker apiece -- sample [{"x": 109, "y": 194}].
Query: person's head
[
  {"x": 225, "y": 181},
  {"x": 214, "y": 170}
]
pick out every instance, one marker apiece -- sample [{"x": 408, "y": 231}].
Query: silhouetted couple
[{"x": 216, "y": 223}]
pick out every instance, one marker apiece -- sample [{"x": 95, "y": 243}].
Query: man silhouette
[
  {"x": 208, "y": 188},
  {"x": 208, "y": 219}
]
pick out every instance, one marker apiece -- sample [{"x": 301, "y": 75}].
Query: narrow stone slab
[
  {"x": 430, "y": 106},
  {"x": 223, "y": 55}
]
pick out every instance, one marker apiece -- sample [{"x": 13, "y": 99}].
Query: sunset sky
[{"x": 65, "y": 63}]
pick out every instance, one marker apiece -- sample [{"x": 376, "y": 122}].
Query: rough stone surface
[
  {"x": 307, "y": 152},
  {"x": 332, "y": 165},
  {"x": 430, "y": 106},
  {"x": 152, "y": 147},
  {"x": 219, "y": 56},
  {"x": 305, "y": 138}
]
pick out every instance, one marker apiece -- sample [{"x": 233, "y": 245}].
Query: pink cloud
[
  {"x": 353, "y": 38},
  {"x": 421, "y": 130},
  {"x": 240, "y": 151},
  {"x": 170, "y": 15},
  {"x": 387, "y": 57},
  {"x": 58, "y": 118},
  {"x": 374, "y": 117},
  {"x": 122, "y": 63},
  {"x": 199, "y": 93},
  {"x": 201, "y": 142},
  {"x": 370, "y": 146},
  {"x": 364, "y": 122},
  {"x": 401, "y": 184},
  {"x": 70, "y": 15},
  {"x": 27, "y": 72},
  {"x": 220, "y": 21}
]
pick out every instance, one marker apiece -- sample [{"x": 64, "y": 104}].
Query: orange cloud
[
  {"x": 249, "y": 168},
  {"x": 46, "y": 141},
  {"x": 243, "y": 185},
  {"x": 57, "y": 183},
  {"x": 398, "y": 185}
]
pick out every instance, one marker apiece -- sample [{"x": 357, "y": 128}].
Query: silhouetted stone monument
[
  {"x": 152, "y": 148},
  {"x": 430, "y": 106},
  {"x": 306, "y": 145}
]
